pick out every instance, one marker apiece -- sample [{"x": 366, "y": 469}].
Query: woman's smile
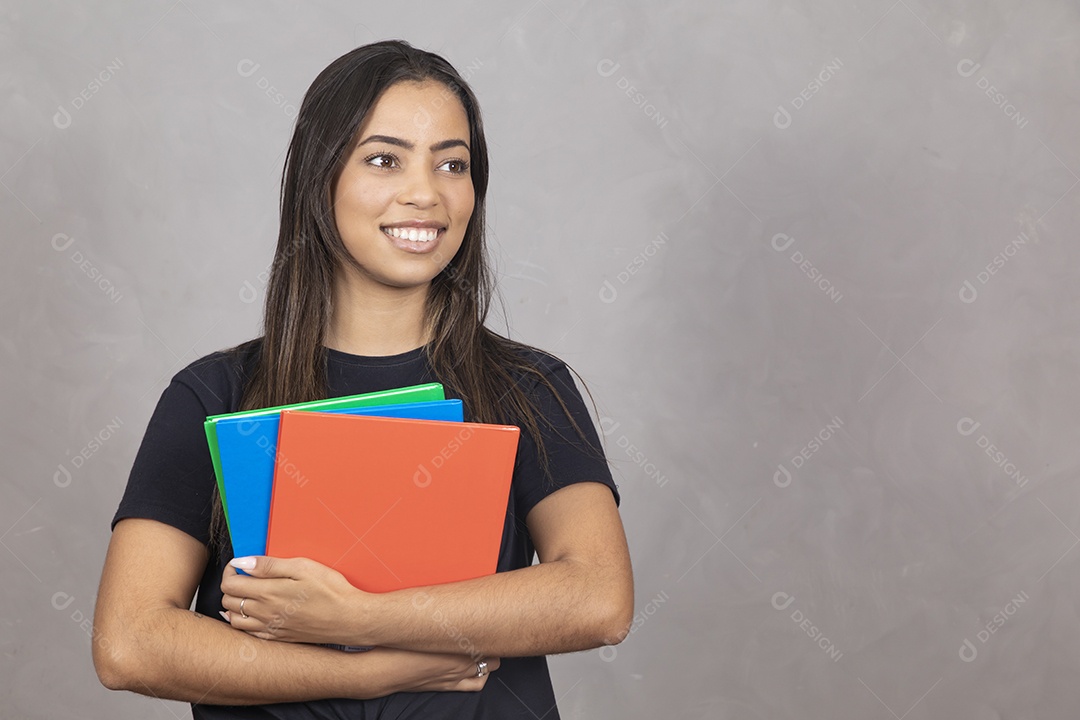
[{"x": 414, "y": 239}]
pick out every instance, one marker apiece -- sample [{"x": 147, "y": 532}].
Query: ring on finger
[{"x": 242, "y": 613}]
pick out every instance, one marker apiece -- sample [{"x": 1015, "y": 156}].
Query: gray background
[{"x": 769, "y": 261}]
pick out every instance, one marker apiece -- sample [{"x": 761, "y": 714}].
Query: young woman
[{"x": 380, "y": 280}]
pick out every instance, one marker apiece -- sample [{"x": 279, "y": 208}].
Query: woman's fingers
[
  {"x": 450, "y": 672},
  {"x": 294, "y": 599},
  {"x": 237, "y": 607},
  {"x": 474, "y": 683}
]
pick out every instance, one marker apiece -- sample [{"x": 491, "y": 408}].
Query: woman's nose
[{"x": 419, "y": 188}]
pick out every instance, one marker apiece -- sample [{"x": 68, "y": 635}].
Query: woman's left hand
[{"x": 290, "y": 599}]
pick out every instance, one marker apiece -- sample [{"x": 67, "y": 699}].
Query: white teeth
[{"x": 412, "y": 234}]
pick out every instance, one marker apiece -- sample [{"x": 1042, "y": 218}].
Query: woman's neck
[{"x": 377, "y": 321}]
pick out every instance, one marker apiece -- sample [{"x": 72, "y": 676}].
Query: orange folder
[{"x": 391, "y": 503}]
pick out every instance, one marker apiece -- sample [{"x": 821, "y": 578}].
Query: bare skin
[{"x": 146, "y": 640}]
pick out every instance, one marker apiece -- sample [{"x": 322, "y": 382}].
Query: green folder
[{"x": 413, "y": 393}]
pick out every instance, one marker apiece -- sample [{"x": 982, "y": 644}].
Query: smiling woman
[
  {"x": 380, "y": 280},
  {"x": 402, "y": 204}
]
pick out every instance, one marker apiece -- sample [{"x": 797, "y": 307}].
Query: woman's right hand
[{"x": 438, "y": 671}]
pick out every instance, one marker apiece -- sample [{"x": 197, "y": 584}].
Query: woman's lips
[{"x": 414, "y": 240}]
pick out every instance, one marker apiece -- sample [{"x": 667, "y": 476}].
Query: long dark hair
[{"x": 484, "y": 369}]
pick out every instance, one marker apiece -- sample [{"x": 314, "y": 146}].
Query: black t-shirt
[{"x": 172, "y": 480}]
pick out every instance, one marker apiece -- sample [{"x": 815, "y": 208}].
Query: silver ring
[
  {"x": 481, "y": 668},
  {"x": 242, "y": 601}
]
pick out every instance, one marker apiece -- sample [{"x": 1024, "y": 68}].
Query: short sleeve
[
  {"x": 571, "y": 460},
  {"x": 172, "y": 478}
]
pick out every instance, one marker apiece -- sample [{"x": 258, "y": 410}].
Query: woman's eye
[
  {"x": 458, "y": 167},
  {"x": 383, "y": 160}
]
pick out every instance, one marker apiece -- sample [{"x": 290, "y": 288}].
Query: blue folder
[{"x": 248, "y": 448}]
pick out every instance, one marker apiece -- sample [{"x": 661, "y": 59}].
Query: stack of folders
[{"x": 392, "y": 489}]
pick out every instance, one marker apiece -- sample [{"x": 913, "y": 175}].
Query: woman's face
[{"x": 405, "y": 195}]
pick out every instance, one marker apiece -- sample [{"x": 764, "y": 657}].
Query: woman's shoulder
[
  {"x": 218, "y": 378},
  {"x": 535, "y": 357},
  {"x": 529, "y": 360},
  {"x": 539, "y": 372}
]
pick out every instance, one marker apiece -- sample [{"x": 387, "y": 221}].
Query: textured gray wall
[{"x": 811, "y": 257}]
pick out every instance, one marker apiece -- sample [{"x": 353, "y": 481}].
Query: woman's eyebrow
[{"x": 442, "y": 145}]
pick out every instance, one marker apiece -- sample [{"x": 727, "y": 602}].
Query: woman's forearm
[
  {"x": 176, "y": 654},
  {"x": 549, "y": 608},
  {"x": 580, "y": 595}
]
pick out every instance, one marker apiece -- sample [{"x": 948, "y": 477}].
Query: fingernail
[
  {"x": 243, "y": 563},
  {"x": 225, "y": 614}
]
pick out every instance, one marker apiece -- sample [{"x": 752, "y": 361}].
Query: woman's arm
[
  {"x": 146, "y": 640},
  {"x": 580, "y": 596}
]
